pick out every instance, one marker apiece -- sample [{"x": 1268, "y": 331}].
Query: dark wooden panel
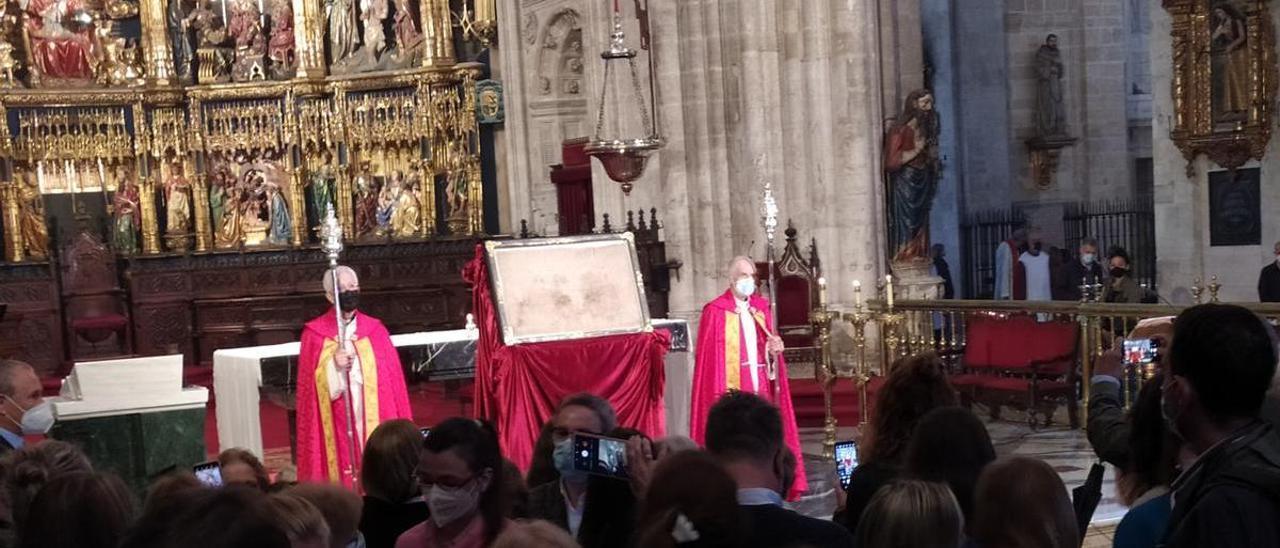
[{"x": 34, "y": 322}]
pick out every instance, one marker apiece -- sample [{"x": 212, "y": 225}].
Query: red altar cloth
[{"x": 518, "y": 387}]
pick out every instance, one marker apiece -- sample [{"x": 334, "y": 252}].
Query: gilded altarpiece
[
  {"x": 1224, "y": 79},
  {"x": 198, "y": 129}
]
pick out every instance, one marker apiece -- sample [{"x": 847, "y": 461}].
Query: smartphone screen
[
  {"x": 846, "y": 461},
  {"x": 1140, "y": 351},
  {"x": 209, "y": 473},
  {"x": 600, "y": 455}
]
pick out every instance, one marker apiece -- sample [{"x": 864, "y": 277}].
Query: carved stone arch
[{"x": 560, "y": 67}]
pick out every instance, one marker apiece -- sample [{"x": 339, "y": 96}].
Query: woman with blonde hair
[{"x": 913, "y": 513}]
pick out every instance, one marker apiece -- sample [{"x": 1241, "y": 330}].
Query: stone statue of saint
[
  {"x": 366, "y": 201},
  {"x": 912, "y": 168},
  {"x": 1051, "y": 117},
  {"x": 281, "y": 223},
  {"x": 1229, "y": 41}
]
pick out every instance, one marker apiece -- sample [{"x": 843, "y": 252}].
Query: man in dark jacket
[
  {"x": 744, "y": 433},
  {"x": 23, "y": 409},
  {"x": 1269, "y": 280},
  {"x": 1085, "y": 269},
  {"x": 1220, "y": 366}
]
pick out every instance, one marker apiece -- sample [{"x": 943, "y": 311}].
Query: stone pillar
[{"x": 747, "y": 92}]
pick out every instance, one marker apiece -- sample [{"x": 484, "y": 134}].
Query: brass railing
[{"x": 896, "y": 329}]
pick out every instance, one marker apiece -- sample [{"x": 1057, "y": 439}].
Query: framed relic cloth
[
  {"x": 576, "y": 287},
  {"x": 1224, "y": 79}
]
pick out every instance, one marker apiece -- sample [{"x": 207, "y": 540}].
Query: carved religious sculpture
[
  {"x": 1050, "y": 112},
  {"x": 408, "y": 35},
  {"x": 912, "y": 169},
  {"x": 388, "y": 197},
  {"x": 366, "y": 201},
  {"x": 320, "y": 192},
  {"x": 179, "y": 28},
  {"x": 246, "y": 34},
  {"x": 342, "y": 39},
  {"x": 373, "y": 13},
  {"x": 281, "y": 221},
  {"x": 1230, "y": 63},
  {"x": 177, "y": 207},
  {"x": 126, "y": 218},
  {"x": 60, "y": 34},
  {"x": 35, "y": 233},
  {"x": 407, "y": 219},
  {"x": 280, "y": 49}
]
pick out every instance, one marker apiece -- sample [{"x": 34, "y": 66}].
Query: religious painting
[
  {"x": 71, "y": 43},
  {"x": 1223, "y": 100},
  {"x": 567, "y": 288},
  {"x": 1235, "y": 214},
  {"x": 248, "y": 199}
]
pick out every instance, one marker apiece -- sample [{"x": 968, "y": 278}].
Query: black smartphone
[
  {"x": 846, "y": 461},
  {"x": 600, "y": 455},
  {"x": 424, "y": 431},
  {"x": 1141, "y": 351},
  {"x": 209, "y": 473}
]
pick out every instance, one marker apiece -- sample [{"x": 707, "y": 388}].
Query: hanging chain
[
  {"x": 644, "y": 110},
  {"x": 603, "y": 93}
]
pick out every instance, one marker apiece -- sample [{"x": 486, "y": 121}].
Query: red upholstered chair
[
  {"x": 94, "y": 305},
  {"x": 797, "y": 294},
  {"x": 1020, "y": 362}
]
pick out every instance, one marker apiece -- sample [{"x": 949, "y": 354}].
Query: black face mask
[
  {"x": 349, "y": 300},
  {"x": 1117, "y": 272}
]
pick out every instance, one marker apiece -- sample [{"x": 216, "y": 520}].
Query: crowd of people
[
  {"x": 1197, "y": 455},
  {"x": 1027, "y": 269}
]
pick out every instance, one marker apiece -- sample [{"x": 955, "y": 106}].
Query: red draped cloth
[{"x": 518, "y": 386}]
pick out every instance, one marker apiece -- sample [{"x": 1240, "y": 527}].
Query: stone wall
[
  {"x": 1182, "y": 203},
  {"x": 749, "y": 92}
]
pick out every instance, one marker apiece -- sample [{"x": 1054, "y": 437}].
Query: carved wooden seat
[
  {"x": 96, "y": 315},
  {"x": 797, "y": 295}
]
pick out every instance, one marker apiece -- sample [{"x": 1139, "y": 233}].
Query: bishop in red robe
[
  {"x": 735, "y": 335},
  {"x": 366, "y": 363}
]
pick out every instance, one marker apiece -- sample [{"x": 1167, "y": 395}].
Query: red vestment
[
  {"x": 57, "y": 51},
  {"x": 718, "y": 369},
  {"x": 323, "y": 453}
]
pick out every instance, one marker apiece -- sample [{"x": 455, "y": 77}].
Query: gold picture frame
[
  {"x": 570, "y": 287},
  {"x": 1224, "y": 79}
]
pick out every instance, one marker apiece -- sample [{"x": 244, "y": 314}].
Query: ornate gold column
[
  {"x": 298, "y": 204},
  {"x": 200, "y": 202},
  {"x": 155, "y": 43},
  {"x": 13, "y": 234},
  {"x": 147, "y": 206},
  {"x": 436, "y": 25},
  {"x": 308, "y": 41},
  {"x": 469, "y": 130}
]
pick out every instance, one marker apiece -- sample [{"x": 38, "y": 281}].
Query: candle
[
  {"x": 822, "y": 292},
  {"x": 40, "y": 175},
  {"x": 888, "y": 287},
  {"x": 857, "y": 294}
]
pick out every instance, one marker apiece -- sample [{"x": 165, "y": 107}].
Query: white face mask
[
  {"x": 449, "y": 504},
  {"x": 1088, "y": 258},
  {"x": 37, "y": 420},
  {"x": 745, "y": 286}
]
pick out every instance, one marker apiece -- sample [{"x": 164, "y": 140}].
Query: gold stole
[
  {"x": 733, "y": 346},
  {"x": 369, "y": 369}
]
